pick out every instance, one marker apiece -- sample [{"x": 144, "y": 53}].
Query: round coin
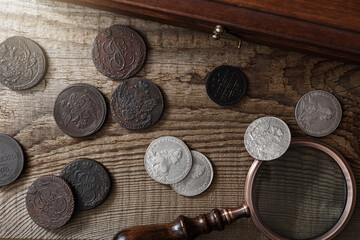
[
  {"x": 318, "y": 113},
  {"x": 11, "y": 160},
  {"x": 118, "y": 52},
  {"x": 226, "y": 85},
  {"x": 89, "y": 181},
  {"x": 136, "y": 103},
  {"x": 80, "y": 110},
  {"x": 199, "y": 177},
  {"x": 267, "y": 138},
  {"x": 168, "y": 160},
  {"x": 50, "y": 202},
  {"x": 22, "y": 63}
]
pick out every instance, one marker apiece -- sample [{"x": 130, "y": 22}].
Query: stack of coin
[{"x": 169, "y": 161}]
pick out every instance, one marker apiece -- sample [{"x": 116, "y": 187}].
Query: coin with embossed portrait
[
  {"x": 80, "y": 110},
  {"x": 89, "y": 181},
  {"x": 168, "y": 160},
  {"x": 267, "y": 138},
  {"x": 22, "y": 63},
  {"x": 50, "y": 202},
  {"x": 118, "y": 52},
  {"x": 11, "y": 160},
  {"x": 136, "y": 103},
  {"x": 318, "y": 113},
  {"x": 199, "y": 177}
]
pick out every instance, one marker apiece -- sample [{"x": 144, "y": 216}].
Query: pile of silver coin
[{"x": 168, "y": 160}]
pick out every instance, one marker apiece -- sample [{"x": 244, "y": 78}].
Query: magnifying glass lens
[{"x": 301, "y": 195}]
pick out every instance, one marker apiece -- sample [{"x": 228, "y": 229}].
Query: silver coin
[
  {"x": 168, "y": 160},
  {"x": 267, "y": 138},
  {"x": 199, "y": 178},
  {"x": 318, "y": 113}
]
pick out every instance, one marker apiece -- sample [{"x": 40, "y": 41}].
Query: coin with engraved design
[
  {"x": 318, "y": 113},
  {"x": 168, "y": 160},
  {"x": 199, "y": 177},
  {"x": 136, "y": 103},
  {"x": 50, "y": 202},
  {"x": 11, "y": 160},
  {"x": 89, "y": 181},
  {"x": 80, "y": 110},
  {"x": 267, "y": 138},
  {"x": 118, "y": 52},
  {"x": 22, "y": 63}
]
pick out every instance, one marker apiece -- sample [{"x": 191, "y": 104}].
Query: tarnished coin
[
  {"x": 89, "y": 181},
  {"x": 22, "y": 63},
  {"x": 267, "y": 138},
  {"x": 318, "y": 113},
  {"x": 136, "y": 103},
  {"x": 168, "y": 160},
  {"x": 50, "y": 202},
  {"x": 118, "y": 52},
  {"x": 11, "y": 160},
  {"x": 226, "y": 85},
  {"x": 199, "y": 177},
  {"x": 80, "y": 110}
]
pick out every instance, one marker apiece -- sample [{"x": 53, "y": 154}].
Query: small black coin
[
  {"x": 89, "y": 181},
  {"x": 226, "y": 85}
]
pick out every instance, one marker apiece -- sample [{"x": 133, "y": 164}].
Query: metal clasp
[{"x": 220, "y": 32}]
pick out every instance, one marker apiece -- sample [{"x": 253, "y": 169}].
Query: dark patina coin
[
  {"x": 50, "y": 202},
  {"x": 226, "y": 85},
  {"x": 118, "y": 52},
  {"x": 80, "y": 110},
  {"x": 22, "y": 63},
  {"x": 136, "y": 103},
  {"x": 11, "y": 160},
  {"x": 89, "y": 180}
]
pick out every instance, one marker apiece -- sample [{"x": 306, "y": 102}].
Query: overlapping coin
[
  {"x": 80, "y": 110},
  {"x": 22, "y": 63},
  {"x": 318, "y": 113},
  {"x": 267, "y": 138}
]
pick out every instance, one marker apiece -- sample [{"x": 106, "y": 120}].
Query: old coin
[
  {"x": 199, "y": 177},
  {"x": 50, "y": 202},
  {"x": 318, "y": 113},
  {"x": 89, "y": 181},
  {"x": 168, "y": 160},
  {"x": 267, "y": 138},
  {"x": 22, "y": 63},
  {"x": 226, "y": 85},
  {"x": 136, "y": 103},
  {"x": 118, "y": 52},
  {"x": 80, "y": 110},
  {"x": 11, "y": 160}
]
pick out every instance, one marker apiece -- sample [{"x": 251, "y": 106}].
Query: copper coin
[
  {"x": 118, "y": 52},
  {"x": 50, "y": 202},
  {"x": 226, "y": 85},
  {"x": 80, "y": 110},
  {"x": 136, "y": 103},
  {"x": 22, "y": 63},
  {"x": 89, "y": 181},
  {"x": 11, "y": 160}
]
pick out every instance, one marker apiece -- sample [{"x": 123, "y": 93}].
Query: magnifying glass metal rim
[{"x": 349, "y": 178}]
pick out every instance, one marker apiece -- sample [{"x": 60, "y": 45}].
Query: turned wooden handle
[{"x": 183, "y": 227}]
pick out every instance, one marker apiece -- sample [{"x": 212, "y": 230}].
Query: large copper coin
[
  {"x": 136, "y": 103},
  {"x": 22, "y": 63},
  {"x": 50, "y": 202},
  {"x": 226, "y": 85},
  {"x": 89, "y": 181},
  {"x": 80, "y": 110},
  {"x": 11, "y": 160},
  {"x": 118, "y": 52}
]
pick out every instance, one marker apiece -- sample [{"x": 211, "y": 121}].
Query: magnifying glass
[{"x": 308, "y": 193}]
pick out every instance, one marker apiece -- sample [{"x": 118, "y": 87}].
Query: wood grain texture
[{"x": 178, "y": 61}]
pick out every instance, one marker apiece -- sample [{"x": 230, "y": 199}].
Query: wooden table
[{"x": 178, "y": 61}]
